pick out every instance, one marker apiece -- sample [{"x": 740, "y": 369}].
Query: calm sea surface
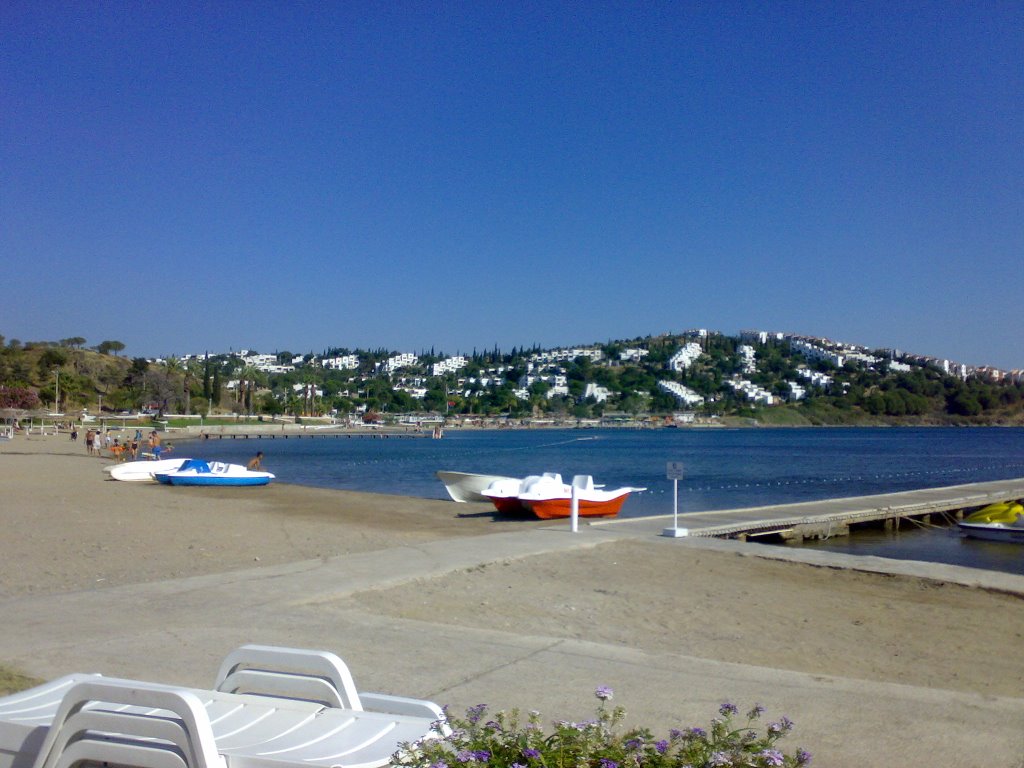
[{"x": 725, "y": 468}]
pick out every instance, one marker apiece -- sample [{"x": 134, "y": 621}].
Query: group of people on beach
[{"x": 96, "y": 440}]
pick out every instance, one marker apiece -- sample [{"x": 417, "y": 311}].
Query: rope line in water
[{"x": 850, "y": 478}]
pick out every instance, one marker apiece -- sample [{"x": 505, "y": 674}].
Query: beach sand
[{"x": 68, "y": 529}]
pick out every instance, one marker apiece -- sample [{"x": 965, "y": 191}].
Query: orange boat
[
  {"x": 549, "y": 498},
  {"x": 504, "y": 492}
]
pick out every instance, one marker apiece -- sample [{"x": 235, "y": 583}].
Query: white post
[
  {"x": 574, "y": 510},
  {"x": 675, "y": 502},
  {"x": 674, "y": 471}
]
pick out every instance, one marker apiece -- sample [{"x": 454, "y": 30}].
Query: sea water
[{"x": 723, "y": 469}]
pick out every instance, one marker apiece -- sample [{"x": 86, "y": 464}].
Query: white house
[
  {"x": 342, "y": 362},
  {"x": 684, "y": 395},
  {"x": 404, "y": 360},
  {"x": 599, "y": 393},
  {"x": 685, "y": 357},
  {"x": 449, "y": 365}
]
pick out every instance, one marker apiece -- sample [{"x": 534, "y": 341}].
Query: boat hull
[
  {"x": 142, "y": 471},
  {"x": 555, "y": 509},
  {"x": 199, "y": 472},
  {"x": 993, "y": 531},
  {"x": 465, "y": 486},
  {"x": 510, "y": 505},
  {"x": 213, "y": 480}
]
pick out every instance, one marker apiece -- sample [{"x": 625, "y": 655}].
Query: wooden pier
[{"x": 834, "y": 517}]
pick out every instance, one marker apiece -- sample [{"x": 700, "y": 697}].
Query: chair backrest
[
  {"x": 290, "y": 673},
  {"x": 125, "y": 722}
]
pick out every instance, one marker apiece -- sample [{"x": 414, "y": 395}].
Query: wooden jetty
[{"x": 834, "y": 517}]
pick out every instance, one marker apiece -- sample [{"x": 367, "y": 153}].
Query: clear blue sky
[{"x": 187, "y": 176}]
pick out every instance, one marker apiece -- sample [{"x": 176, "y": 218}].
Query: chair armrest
[{"x": 400, "y": 705}]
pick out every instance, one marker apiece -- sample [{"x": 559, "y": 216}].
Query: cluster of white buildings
[
  {"x": 684, "y": 395},
  {"x": 549, "y": 367},
  {"x": 450, "y": 365},
  {"x": 750, "y": 391},
  {"x": 566, "y": 355},
  {"x": 836, "y": 354},
  {"x": 341, "y": 362},
  {"x": 633, "y": 354}
]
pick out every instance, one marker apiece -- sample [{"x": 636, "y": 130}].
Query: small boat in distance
[
  {"x": 1003, "y": 521},
  {"x": 547, "y": 497},
  {"x": 464, "y": 486},
  {"x": 199, "y": 472}
]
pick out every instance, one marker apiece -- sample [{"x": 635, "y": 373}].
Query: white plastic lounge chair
[
  {"x": 82, "y": 719},
  {"x": 310, "y": 675}
]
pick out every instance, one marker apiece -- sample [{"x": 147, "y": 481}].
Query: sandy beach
[{"x": 70, "y": 530}]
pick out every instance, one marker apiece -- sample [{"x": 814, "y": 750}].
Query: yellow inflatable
[{"x": 1005, "y": 512}]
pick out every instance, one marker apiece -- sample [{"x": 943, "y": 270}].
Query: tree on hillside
[{"x": 106, "y": 347}]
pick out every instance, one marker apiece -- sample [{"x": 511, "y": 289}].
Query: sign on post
[{"x": 674, "y": 472}]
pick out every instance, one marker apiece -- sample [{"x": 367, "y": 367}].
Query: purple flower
[
  {"x": 727, "y": 709},
  {"x": 531, "y": 754},
  {"x": 803, "y": 757},
  {"x": 720, "y": 760},
  {"x": 473, "y": 714},
  {"x": 661, "y": 746},
  {"x": 771, "y": 757},
  {"x": 634, "y": 744},
  {"x": 482, "y": 756},
  {"x": 606, "y": 763},
  {"x": 756, "y": 712},
  {"x": 439, "y": 764},
  {"x": 464, "y": 756},
  {"x": 697, "y": 733},
  {"x": 675, "y": 734},
  {"x": 517, "y": 765},
  {"x": 604, "y": 693}
]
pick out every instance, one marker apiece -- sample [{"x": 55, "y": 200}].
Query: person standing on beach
[
  {"x": 154, "y": 445},
  {"x": 89, "y": 437}
]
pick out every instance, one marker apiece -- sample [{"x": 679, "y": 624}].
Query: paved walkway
[{"x": 178, "y": 631}]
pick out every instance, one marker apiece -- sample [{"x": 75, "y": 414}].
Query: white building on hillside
[
  {"x": 747, "y": 358},
  {"x": 566, "y": 355},
  {"x": 748, "y": 390},
  {"x": 684, "y": 395},
  {"x": 633, "y": 355},
  {"x": 404, "y": 360},
  {"x": 599, "y": 393},
  {"x": 341, "y": 363},
  {"x": 685, "y": 357},
  {"x": 449, "y": 365}
]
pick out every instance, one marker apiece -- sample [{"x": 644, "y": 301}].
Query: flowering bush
[{"x": 504, "y": 741}]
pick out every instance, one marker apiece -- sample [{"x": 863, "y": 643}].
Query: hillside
[{"x": 764, "y": 379}]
